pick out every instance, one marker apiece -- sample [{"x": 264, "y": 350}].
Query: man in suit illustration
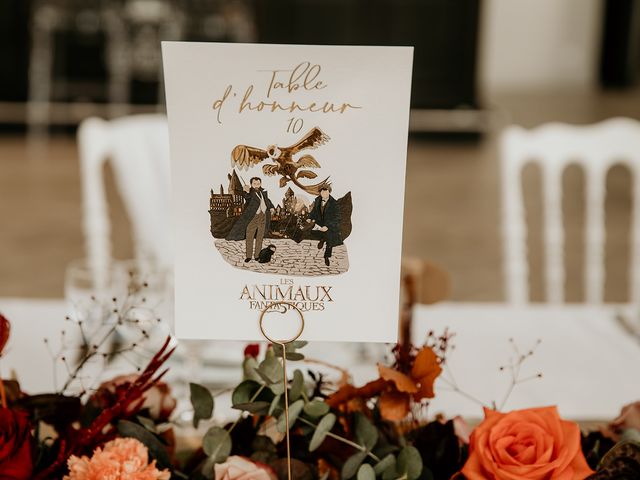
[
  {"x": 255, "y": 219},
  {"x": 326, "y": 215}
]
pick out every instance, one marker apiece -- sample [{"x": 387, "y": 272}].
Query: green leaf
[
  {"x": 290, "y": 350},
  {"x": 244, "y": 392},
  {"x": 294, "y": 410},
  {"x": 216, "y": 443},
  {"x": 391, "y": 474},
  {"x": 270, "y": 369},
  {"x": 295, "y": 356},
  {"x": 202, "y": 402},
  {"x": 256, "y": 408},
  {"x": 263, "y": 376},
  {"x": 365, "y": 472},
  {"x": 157, "y": 450},
  {"x": 316, "y": 408},
  {"x": 277, "y": 388},
  {"x": 409, "y": 463},
  {"x": 387, "y": 462},
  {"x": 366, "y": 433},
  {"x": 351, "y": 466},
  {"x": 275, "y": 404},
  {"x": 147, "y": 423},
  {"x": 297, "y": 384},
  {"x": 324, "y": 426},
  {"x": 249, "y": 366}
]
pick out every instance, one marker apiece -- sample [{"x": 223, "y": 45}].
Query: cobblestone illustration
[{"x": 295, "y": 259}]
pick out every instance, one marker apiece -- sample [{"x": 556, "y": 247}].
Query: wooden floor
[{"x": 451, "y": 210}]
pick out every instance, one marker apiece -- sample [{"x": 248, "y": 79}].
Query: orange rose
[{"x": 524, "y": 445}]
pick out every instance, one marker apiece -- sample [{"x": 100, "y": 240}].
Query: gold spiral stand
[{"x": 284, "y": 307}]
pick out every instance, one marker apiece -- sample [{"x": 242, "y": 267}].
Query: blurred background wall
[{"x": 479, "y": 66}]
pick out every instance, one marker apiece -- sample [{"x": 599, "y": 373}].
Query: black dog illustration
[{"x": 266, "y": 254}]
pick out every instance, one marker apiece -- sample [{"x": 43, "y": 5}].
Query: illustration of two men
[{"x": 255, "y": 219}]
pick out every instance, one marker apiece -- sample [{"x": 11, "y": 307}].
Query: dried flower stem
[
  {"x": 514, "y": 368},
  {"x": 451, "y": 382}
]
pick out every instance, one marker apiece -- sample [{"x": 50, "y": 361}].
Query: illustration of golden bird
[{"x": 244, "y": 157}]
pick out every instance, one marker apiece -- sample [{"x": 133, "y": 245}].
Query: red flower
[
  {"x": 252, "y": 350},
  {"x": 15, "y": 445},
  {"x": 5, "y": 329}
]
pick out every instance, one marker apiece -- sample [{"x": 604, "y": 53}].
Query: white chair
[
  {"x": 138, "y": 150},
  {"x": 569, "y": 332},
  {"x": 596, "y": 148}
]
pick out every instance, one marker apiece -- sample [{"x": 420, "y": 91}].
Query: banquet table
[{"x": 589, "y": 363}]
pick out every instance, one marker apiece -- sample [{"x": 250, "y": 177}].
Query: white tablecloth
[{"x": 590, "y": 366}]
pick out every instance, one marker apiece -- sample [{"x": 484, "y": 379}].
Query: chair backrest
[
  {"x": 596, "y": 148},
  {"x": 138, "y": 150}
]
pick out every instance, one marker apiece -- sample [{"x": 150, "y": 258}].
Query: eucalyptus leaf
[
  {"x": 147, "y": 423},
  {"x": 244, "y": 392},
  {"x": 365, "y": 472},
  {"x": 216, "y": 443},
  {"x": 256, "y": 408},
  {"x": 324, "y": 426},
  {"x": 156, "y": 449},
  {"x": 270, "y": 369},
  {"x": 391, "y": 474},
  {"x": 351, "y": 466},
  {"x": 290, "y": 350},
  {"x": 277, "y": 349},
  {"x": 264, "y": 377},
  {"x": 249, "y": 366},
  {"x": 275, "y": 404},
  {"x": 316, "y": 408},
  {"x": 295, "y": 356},
  {"x": 277, "y": 388},
  {"x": 387, "y": 462},
  {"x": 409, "y": 463},
  {"x": 294, "y": 411},
  {"x": 366, "y": 433},
  {"x": 297, "y": 384},
  {"x": 202, "y": 402}
]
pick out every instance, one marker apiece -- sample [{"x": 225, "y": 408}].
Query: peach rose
[
  {"x": 241, "y": 468},
  {"x": 525, "y": 445}
]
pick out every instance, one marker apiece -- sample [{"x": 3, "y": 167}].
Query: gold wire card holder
[{"x": 282, "y": 308}]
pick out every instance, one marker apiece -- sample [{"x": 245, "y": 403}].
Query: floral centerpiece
[{"x": 125, "y": 428}]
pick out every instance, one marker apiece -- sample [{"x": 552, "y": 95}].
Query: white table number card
[{"x": 288, "y": 169}]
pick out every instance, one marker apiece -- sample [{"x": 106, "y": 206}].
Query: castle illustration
[{"x": 230, "y": 204}]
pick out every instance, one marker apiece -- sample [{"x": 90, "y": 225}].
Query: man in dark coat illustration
[
  {"x": 255, "y": 219},
  {"x": 326, "y": 215}
]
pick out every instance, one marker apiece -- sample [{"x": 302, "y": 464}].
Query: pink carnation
[{"x": 122, "y": 459}]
